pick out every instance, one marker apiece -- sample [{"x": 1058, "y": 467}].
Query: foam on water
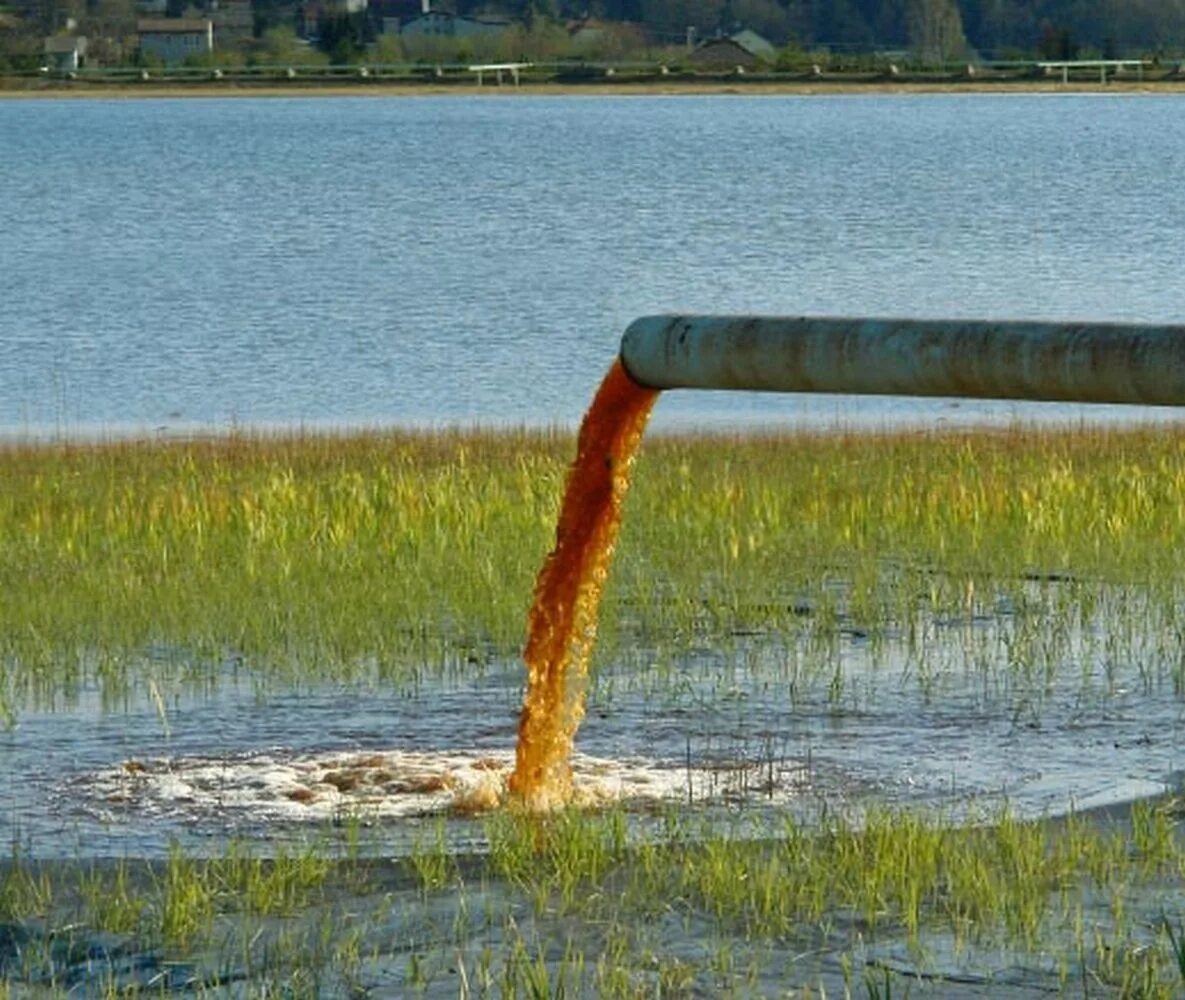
[{"x": 284, "y": 787}]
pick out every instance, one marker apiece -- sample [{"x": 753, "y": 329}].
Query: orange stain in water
[{"x": 562, "y": 625}]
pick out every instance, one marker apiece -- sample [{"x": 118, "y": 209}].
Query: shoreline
[
  {"x": 263, "y": 435},
  {"x": 733, "y": 86}
]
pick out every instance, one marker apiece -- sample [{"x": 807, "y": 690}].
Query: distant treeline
[
  {"x": 990, "y": 28},
  {"x": 837, "y": 34}
]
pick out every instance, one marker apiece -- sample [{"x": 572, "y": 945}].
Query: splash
[{"x": 562, "y": 625}]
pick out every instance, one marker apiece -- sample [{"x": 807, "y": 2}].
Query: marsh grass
[
  {"x": 1010, "y": 884},
  {"x": 387, "y": 556},
  {"x": 431, "y": 859},
  {"x": 573, "y": 904},
  {"x": 110, "y": 899},
  {"x": 25, "y": 889},
  {"x": 393, "y": 559},
  {"x": 176, "y": 902},
  {"x": 396, "y": 557}
]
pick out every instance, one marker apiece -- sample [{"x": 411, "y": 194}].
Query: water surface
[
  {"x": 746, "y": 727},
  {"x": 207, "y": 263}
]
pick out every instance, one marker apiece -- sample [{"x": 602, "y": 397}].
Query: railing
[
  {"x": 1102, "y": 65},
  {"x": 591, "y": 71},
  {"x": 514, "y": 69}
]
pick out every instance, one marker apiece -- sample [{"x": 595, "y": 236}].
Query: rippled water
[{"x": 196, "y": 263}]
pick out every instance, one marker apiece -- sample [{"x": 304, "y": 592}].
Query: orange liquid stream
[{"x": 562, "y": 626}]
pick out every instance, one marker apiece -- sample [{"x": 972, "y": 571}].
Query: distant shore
[{"x": 730, "y": 86}]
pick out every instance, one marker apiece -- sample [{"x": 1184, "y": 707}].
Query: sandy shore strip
[{"x": 735, "y": 87}]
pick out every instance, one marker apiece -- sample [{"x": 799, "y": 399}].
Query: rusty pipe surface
[{"x": 1071, "y": 362}]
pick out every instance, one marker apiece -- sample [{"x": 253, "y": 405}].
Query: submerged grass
[
  {"x": 574, "y": 904},
  {"x": 397, "y": 556}
]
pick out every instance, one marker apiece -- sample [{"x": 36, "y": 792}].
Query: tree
[
  {"x": 840, "y": 22},
  {"x": 20, "y": 44},
  {"x": 1005, "y": 25},
  {"x": 387, "y": 50},
  {"x": 111, "y": 27},
  {"x": 1144, "y": 24},
  {"x": 889, "y": 20},
  {"x": 279, "y": 46},
  {"x": 1056, "y": 42},
  {"x": 935, "y": 30},
  {"x": 268, "y": 14},
  {"x": 766, "y": 17},
  {"x": 343, "y": 37},
  {"x": 670, "y": 19}
]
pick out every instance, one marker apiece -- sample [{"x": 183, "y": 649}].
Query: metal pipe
[{"x": 1073, "y": 362}]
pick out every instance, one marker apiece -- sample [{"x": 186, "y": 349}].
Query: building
[
  {"x": 438, "y": 24},
  {"x": 172, "y": 40},
  {"x": 760, "y": 46},
  {"x": 234, "y": 22},
  {"x": 735, "y": 52},
  {"x": 65, "y": 53}
]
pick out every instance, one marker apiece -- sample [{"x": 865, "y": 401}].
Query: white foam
[{"x": 389, "y": 784}]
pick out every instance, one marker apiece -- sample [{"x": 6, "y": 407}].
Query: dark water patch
[{"x": 85, "y": 962}]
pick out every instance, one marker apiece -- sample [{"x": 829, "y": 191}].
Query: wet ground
[
  {"x": 739, "y": 732},
  {"x": 942, "y": 721},
  {"x": 381, "y": 935}
]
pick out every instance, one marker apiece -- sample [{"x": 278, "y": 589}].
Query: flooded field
[
  {"x": 868, "y": 715},
  {"x": 746, "y": 730}
]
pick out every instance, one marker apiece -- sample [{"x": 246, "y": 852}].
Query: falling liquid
[{"x": 562, "y": 625}]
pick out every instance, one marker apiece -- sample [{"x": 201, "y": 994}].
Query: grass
[
  {"x": 393, "y": 558},
  {"x": 379, "y": 556},
  {"x": 398, "y": 559},
  {"x": 571, "y": 905}
]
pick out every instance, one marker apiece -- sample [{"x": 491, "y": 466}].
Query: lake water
[{"x": 202, "y": 264}]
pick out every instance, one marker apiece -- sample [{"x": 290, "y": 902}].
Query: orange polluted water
[{"x": 562, "y": 625}]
